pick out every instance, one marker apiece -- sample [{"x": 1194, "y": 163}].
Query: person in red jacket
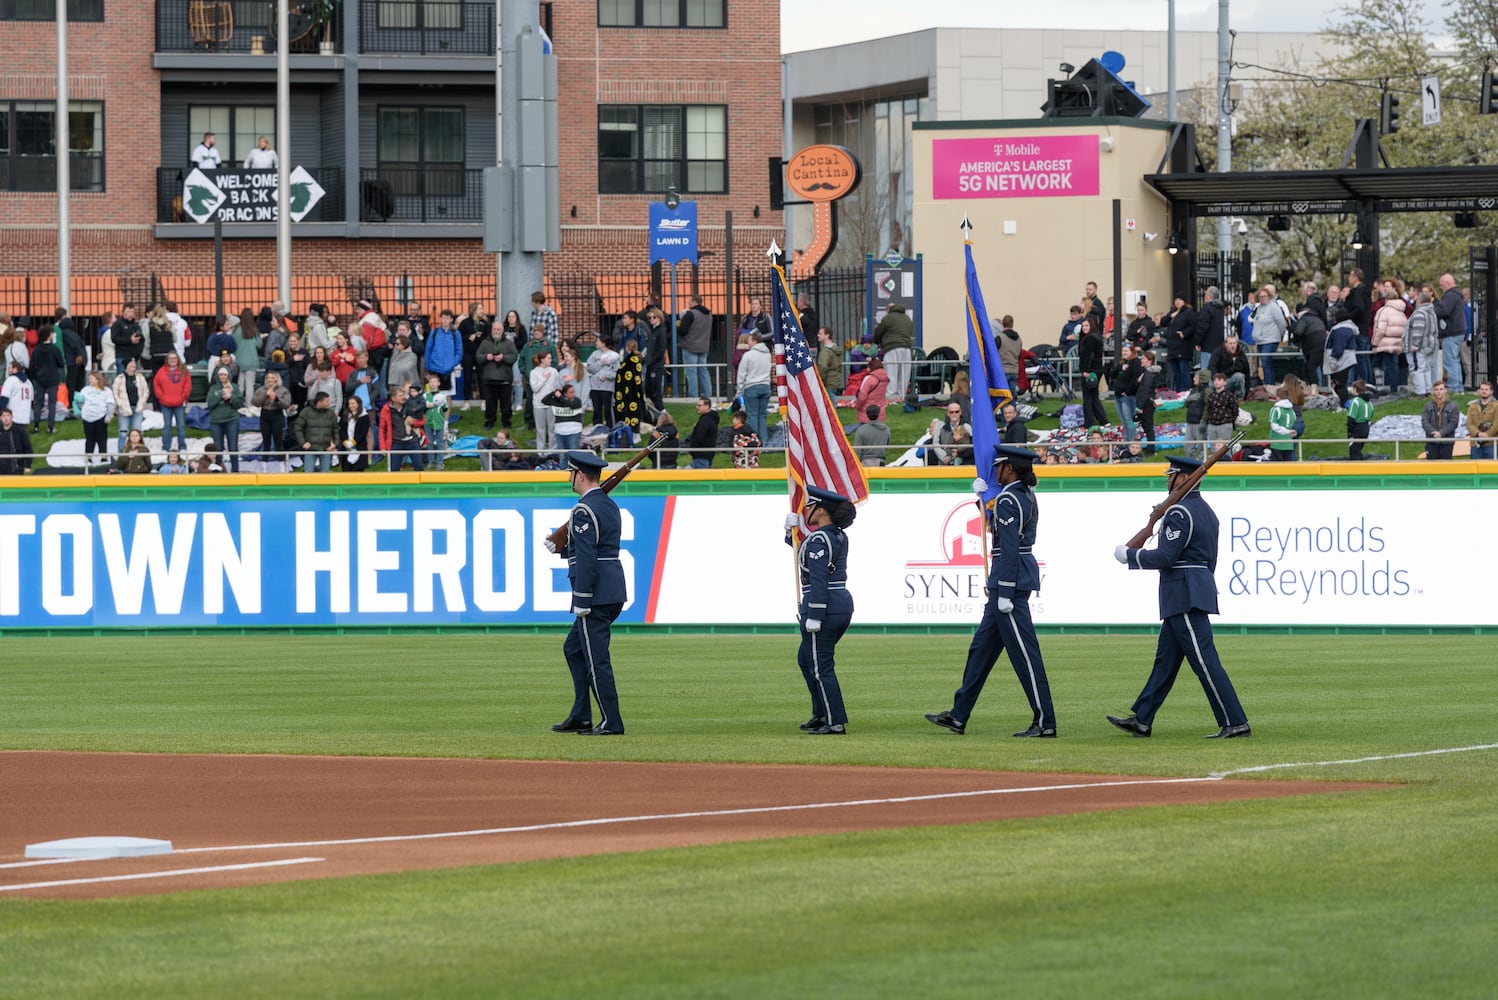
[
  {"x": 171, "y": 385},
  {"x": 400, "y": 433},
  {"x": 871, "y": 391}
]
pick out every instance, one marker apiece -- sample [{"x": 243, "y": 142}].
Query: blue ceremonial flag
[{"x": 988, "y": 380}]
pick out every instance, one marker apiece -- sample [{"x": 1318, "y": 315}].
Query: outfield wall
[{"x": 1331, "y": 545}]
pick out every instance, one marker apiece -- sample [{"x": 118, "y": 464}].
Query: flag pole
[
  {"x": 967, "y": 240},
  {"x": 778, "y": 274}
]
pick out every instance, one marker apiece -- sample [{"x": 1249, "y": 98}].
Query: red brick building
[{"x": 393, "y": 111}]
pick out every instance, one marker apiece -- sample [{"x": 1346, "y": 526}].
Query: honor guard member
[
  {"x": 1186, "y": 556},
  {"x": 826, "y": 606},
  {"x": 1012, "y": 578},
  {"x": 598, "y": 595}
]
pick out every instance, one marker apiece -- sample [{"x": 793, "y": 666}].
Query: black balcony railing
[
  {"x": 169, "y": 195},
  {"x": 240, "y": 26},
  {"x": 431, "y": 193},
  {"x": 426, "y": 27}
]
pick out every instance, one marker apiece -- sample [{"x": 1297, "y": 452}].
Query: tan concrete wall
[{"x": 1058, "y": 244}]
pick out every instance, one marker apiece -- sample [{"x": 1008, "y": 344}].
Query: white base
[{"x": 99, "y": 847}]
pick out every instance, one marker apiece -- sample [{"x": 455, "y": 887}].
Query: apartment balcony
[
  {"x": 242, "y": 27},
  {"x": 434, "y": 194},
  {"x": 169, "y": 199},
  {"x": 426, "y": 28}
]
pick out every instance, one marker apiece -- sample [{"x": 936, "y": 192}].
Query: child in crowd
[
  {"x": 436, "y": 416},
  {"x": 1359, "y": 415},
  {"x": 173, "y": 466}
]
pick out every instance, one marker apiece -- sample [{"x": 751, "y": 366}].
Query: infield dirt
[{"x": 367, "y": 815}]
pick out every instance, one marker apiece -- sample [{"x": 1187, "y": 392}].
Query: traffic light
[
  {"x": 1487, "y": 100},
  {"x": 1388, "y": 114}
]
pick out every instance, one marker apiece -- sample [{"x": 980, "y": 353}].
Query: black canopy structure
[
  {"x": 1364, "y": 186},
  {"x": 1330, "y": 192}
]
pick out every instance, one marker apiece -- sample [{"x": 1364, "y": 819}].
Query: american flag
[{"x": 818, "y": 453}]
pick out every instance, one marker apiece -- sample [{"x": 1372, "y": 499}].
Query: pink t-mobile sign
[{"x": 1025, "y": 166}]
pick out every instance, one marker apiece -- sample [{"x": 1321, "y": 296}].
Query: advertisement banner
[
  {"x": 292, "y": 562},
  {"x": 1286, "y": 557},
  {"x": 1038, "y": 166},
  {"x": 1323, "y": 558}
]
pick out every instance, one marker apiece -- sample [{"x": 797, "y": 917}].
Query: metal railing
[
  {"x": 169, "y": 196},
  {"x": 426, "y": 27},
  {"x": 431, "y": 193},
  {"x": 241, "y": 26},
  {"x": 1066, "y": 453}
]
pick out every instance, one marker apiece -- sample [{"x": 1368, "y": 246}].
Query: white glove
[
  {"x": 1005, "y": 605},
  {"x": 581, "y": 612},
  {"x": 1121, "y": 553},
  {"x": 980, "y": 486},
  {"x": 792, "y": 522},
  {"x": 813, "y": 625},
  {"x": 550, "y": 545}
]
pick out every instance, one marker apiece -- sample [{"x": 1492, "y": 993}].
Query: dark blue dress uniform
[
  {"x": 597, "y": 577},
  {"x": 1186, "y": 556},
  {"x": 822, "y": 561},
  {"x": 1013, "y": 575}
]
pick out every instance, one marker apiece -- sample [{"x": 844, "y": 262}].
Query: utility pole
[
  {"x": 283, "y": 152},
  {"x": 1224, "y": 120},
  {"x": 1170, "y": 61},
  {"x": 522, "y": 195},
  {"x": 64, "y": 166}
]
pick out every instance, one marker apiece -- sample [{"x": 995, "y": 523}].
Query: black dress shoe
[
  {"x": 600, "y": 731},
  {"x": 824, "y": 730},
  {"x": 1230, "y": 732},
  {"x": 572, "y": 726},
  {"x": 1039, "y": 733},
  {"x": 815, "y": 722},
  {"x": 946, "y": 720},
  {"x": 1130, "y": 725}
]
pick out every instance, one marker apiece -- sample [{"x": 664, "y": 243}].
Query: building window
[
  {"x": 46, "y": 10},
  {"x": 237, "y": 126},
  {"x": 28, "y": 145},
  {"x": 646, "y": 148},
  {"x": 421, "y": 151},
  {"x": 430, "y": 14},
  {"x": 662, "y": 13}
]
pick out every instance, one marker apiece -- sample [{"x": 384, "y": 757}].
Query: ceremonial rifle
[
  {"x": 560, "y": 536},
  {"x": 1191, "y": 482}
]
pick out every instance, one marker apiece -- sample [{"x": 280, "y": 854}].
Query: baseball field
[{"x": 390, "y": 815}]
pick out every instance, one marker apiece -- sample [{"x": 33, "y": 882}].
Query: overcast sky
[{"x": 811, "y": 24}]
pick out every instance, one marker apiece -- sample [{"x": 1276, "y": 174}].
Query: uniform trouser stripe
[
  {"x": 1032, "y": 690},
  {"x": 582, "y": 626},
  {"x": 816, "y": 673},
  {"x": 1200, "y": 664}
]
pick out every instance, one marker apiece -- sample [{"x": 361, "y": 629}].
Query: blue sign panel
[
  {"x": 673, "y": 232},
  {"x": 301, "y": 562}
]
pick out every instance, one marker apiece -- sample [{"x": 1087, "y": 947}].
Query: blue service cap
[
  {"x": 1008, "y": 452},
  {"x": 585, "y": 461},
  {"x": 1182, "y": 464},
  {"x": 815, "y": 494}
]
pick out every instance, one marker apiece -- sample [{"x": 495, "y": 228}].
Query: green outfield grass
[{"x": 1383, "y": 892}]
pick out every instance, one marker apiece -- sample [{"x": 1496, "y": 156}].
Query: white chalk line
[
  {"x": 696, "y": 814},
  {"x": 46, "y": 861},
  {"x": 1354, "y": 760},
  {"x": 701, "y": 814},
  {"x": 174, "y": 873}
]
